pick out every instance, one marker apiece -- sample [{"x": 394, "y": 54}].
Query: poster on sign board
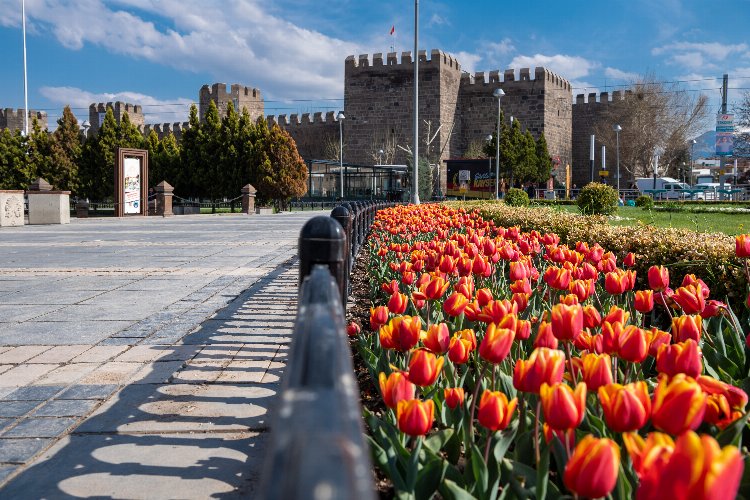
[{"x": 132, "y": 185}]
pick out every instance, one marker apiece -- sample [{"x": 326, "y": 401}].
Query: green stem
[{"x": 537, "y": 454}]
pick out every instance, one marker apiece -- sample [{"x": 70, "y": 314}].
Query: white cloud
[
  {"x": 154, "y": 110},
  {"x": 501, "y": 48},
  {"x": 569, "y": 67},
  {"x": 240, "y": 42},
  {"x": 438, "y": 20},
  {"x": 468, "y": 61},
  {"x": 700, "y": 56},
  {"x": 617, "y": 74}
]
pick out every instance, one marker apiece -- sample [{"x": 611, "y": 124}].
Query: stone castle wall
[
  {"x": 164, "y": 129},
  {"x": 12, "y": 119},
  {"x": 587, "y": 115},
  {"x": 312, "y": 135},
  {"x": 239, "y": 95},
  {"x": 97, "y": 112}
]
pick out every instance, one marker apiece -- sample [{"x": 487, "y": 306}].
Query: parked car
[{"x": 666, "y": 188}]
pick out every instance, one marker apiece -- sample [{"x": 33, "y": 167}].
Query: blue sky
[{"x": 158, "y": 53}]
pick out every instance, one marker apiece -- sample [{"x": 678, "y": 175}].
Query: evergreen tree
[
  {"x": 97, "y": 167},
  {"x": 128, "y": 135},
  {"x": 15, "y": 172},
  {"x": 186, "y": 180},
  {"x": 66, "y": 152},
  {"x": 231, "y": 162},
  {"x": 39, "y": 153},
  {"x": 526, "y": 166},
  {"x": 209, "y": 171},
  {"x": 544, "y": 162},
  {"x": 155, "y": 166},
  {"x": 169, "y": 158}
]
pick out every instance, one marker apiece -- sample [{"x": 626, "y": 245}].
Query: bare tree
[
  {"x": 742, "y": 118},
  {"x": 657, "y": 118},
  {"x": 332, "y": 147},
  {"x": 385, "y": 141},
  {"x": 476, "y": 149}
]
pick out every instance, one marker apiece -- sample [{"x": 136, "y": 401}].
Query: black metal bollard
[
  {"x": 322, "y": 240},
  {"x": 344, "y": 217}
]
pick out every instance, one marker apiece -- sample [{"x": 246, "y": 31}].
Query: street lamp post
[
  {"x": 692, "y": 160},
  {"x": 380, "y": 156},
  {"x": 340, "y": 118},
  {"x": 25, "y": 79},
  {"x": 617, "y": 130},
  {"x": 85, "y": 126},
  {"x": 415, "y": 158},
  {"x": 498, "y": 93}
]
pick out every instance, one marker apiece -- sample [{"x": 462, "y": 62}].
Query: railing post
[
  {"x": 322, "y": 241},
  {"x": 343, "y": 216}
]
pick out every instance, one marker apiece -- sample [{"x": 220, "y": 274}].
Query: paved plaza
[{"x": 139, "y": 356}]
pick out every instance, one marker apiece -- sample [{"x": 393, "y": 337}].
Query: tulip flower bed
[{"x": 513, "y": 366}]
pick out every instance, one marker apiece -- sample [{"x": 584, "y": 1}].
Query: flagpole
[{"x": 25, "y": 83}]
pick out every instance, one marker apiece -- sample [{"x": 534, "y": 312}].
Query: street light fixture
[
  {"x": 498, "y": 93},
  {"x": 380, "y": 156},
  {"x": 340, "y": 119},
  {"x": 617, "y": 130},
  {"x": 85, "y": 126}
]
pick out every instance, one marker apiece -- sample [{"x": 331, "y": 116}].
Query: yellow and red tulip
[
  {"x": 686, "y": 327},
  {"x": 544, "y": 366},
  {"x": 495, "y": 411},
  {"x": 683, "y": 357},
  {"x": 454, "y": 396},
  {"x": 395, "y": 387},
  {"x": 591, "y": 472},
  {"x": 496, "y": 343},
  {"x": 415, "y": 417},
  {"x": 437, "y": 338},
  {"x": 678, "y": 404},
  {"x": 567, "y": 321},
  {"x": 564, "y": 408},
  {"x": 597, "y": 370},
  {"x": 644, "y": 301},
  {"x": 424, "y": 367},
  {"x": 626, "y": 407},
  {"x": 658, "y": 278}
]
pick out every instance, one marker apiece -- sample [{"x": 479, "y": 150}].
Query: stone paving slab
[{"x": 191, "y": 374}]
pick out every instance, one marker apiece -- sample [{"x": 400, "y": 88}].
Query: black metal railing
[{"x": 317, "y": 447}]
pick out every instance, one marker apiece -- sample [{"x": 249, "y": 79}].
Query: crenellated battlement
[
  {"x": 13, "y": 119},
  {"x": 295, "y": 120},
  {"x": 164, "y": 129},
  {"x": 240, "y": 96},
  {"x": 541, "y": 74},
  {"x": 98, "y": 110},
  {"x": 601, "y": 98},
  {"x": 219, "y": 91},
  {"x": 392, "y": 62}
]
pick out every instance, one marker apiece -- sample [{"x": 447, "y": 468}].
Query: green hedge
[{"x": 710, "y": 256}]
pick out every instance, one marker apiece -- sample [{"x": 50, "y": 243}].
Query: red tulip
[
  {"x": 683, "y": 357},
  {"x": 353, "y": 329},
  {"x": 742, "y": 245},
  {"x": 415, "y": 417},
  {"x": 563, "y": 407},
  {"x": 395, "y": 387},
  {"x": 597, "y": 370},
  {"x": 455, "y": 304},
  {"x": 424, "y": 367},
  {"x": 656, "y": 339},
  {"x": 678, "y": 404},
  {"x": 690, "y": 299},
  {"x": 644, "y": 301},
  {"x": 686, "y": 327},
  {"x": 714, "y": 308},
  {"x": 736, "y": 397},
  {"x": 556, "y": 277},
  {"x": 543, "y": 366},
  {"x": 591, "y": 317},
  {"x": 454, "y": 396},
  {"x": 629, "y": 260},
  {"x": 378, "y": 317},
  {"x": 409, "y": 332},
  {"x": 459, "y": 350},
  {"x": 626, "y": 407},
  {"x": 495, "y": 411},
  {"x": 567, "y": 321},
  {"x": 617, "y": 315},
  {"x": 484, "y": 296},
  {"x": 658, "y": 278},
  {"x": 436, "y": 288},
  {"x": 633, "y": 344},
  {"x": 437, "y": 339},
  {"x": 617, "y": 282},
  {"x": 592, "y": 470},
  {"x": 397, "y": 303},
  {"x": 523, "y": 329},
  {"x": 496, "y": 343}
]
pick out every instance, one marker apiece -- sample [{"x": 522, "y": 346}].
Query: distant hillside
[{"x": 705, "y": 145}]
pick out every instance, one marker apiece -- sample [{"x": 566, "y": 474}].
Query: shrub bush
[
  {"x": 517, "y": 198},
  {"x": 645, "y": 202},
  {"x": 710, "y": 255},
  {"x": 597, "y": 199}
]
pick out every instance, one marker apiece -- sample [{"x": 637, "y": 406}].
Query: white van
[{"x": 671, "y": 189}]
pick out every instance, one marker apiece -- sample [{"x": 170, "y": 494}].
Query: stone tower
[
  {"x": 12, "y": 119},
  {"x": 98, "y": 111},
  {"x": 239, "y": 95}
]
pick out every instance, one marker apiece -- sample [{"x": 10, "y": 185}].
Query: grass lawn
[{"x": 728, "y": 223}]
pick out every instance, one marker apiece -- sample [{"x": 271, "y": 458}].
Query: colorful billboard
[
  {"x": 471, "y": 178},
  {"x": 724, "y": 134}
]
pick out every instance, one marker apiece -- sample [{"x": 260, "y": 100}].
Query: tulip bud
[
  {"x": 495, "y": 411},
  {"x": 644, "y": 301},
  {"x": 597, "y": 370},
  {"x": 378, "y": 317},
  {"x": 742, "y": 245},
  {"x": 591, "y": 472},
  {"x": 629, "y": 260},
  {"x": 353, "y": 329},
  {"x": 563, "y": 407},
  {"x": 658, "y": 278},
  {"x": 397, "y": 303},
  {"x": 496, "y": 344},
  {"x": 567, "y": 321},
  {"x": 686, "y": 327},
  {"x": 415, "y": 417},
  {"x": 424, "y": 367},
  {"x": 395, "y": 387},
  {"x": 626, "y": 407},
  {"x": 454, "y": 396}
]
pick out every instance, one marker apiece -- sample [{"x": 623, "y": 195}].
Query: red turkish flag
[{"x": 393, "y": 30}]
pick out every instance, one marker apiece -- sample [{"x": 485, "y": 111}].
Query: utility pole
[
  {"x": 25, "y": 82},
  {"x": 415, "y": 158},
  {"x": 724, "y": 91}
]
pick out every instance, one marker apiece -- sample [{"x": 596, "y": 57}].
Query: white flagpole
[{"x": 25, "y": 83}]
